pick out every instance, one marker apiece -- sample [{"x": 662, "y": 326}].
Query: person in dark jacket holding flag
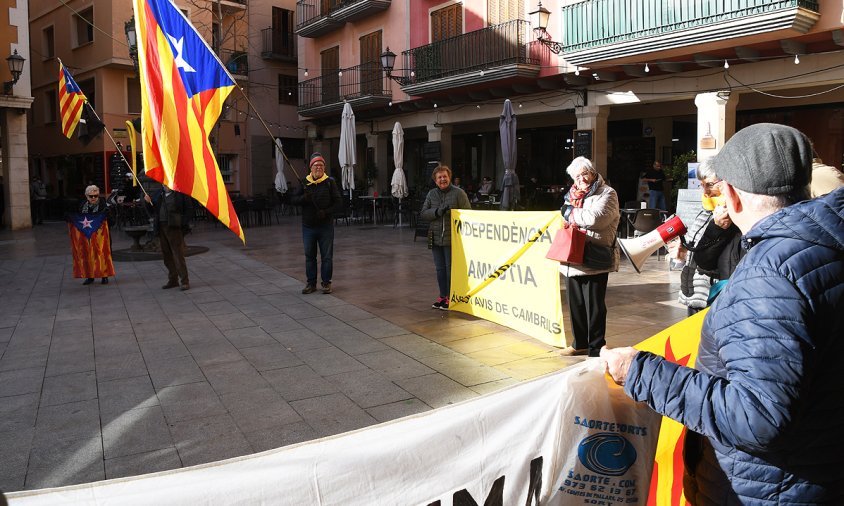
[
  {"x": 171, "y": 218},
  {"x": 764, "y": 406},
  {"x": 320, "y": 199}
]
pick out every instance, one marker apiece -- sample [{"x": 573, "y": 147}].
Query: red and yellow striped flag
[
  {"x": 677, "y": 344},
  {"x": 71, "y": 101},
  {"x": 90, "y": 244},
  {"x": 183, "y": 87}
]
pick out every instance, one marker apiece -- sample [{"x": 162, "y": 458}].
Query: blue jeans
[
  {"x": 442, "y": 262},
  {"x": 657, "y": 200},
  {"x": 324, "y": 238}
]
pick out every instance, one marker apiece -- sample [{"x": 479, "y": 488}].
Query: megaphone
[{"x": 639, "y": 249}]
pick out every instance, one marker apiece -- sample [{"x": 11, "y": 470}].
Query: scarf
[
  {"x": 318, "y": 181},
  {"x": 576, "y": 196}
]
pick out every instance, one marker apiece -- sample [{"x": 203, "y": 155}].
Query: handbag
[
  {"x": 567, "y": 246},
  {"x": 598, "y": 257}
]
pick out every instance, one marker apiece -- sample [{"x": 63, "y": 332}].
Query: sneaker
[
  {"x": 570, "y": 351},
  {"x": 326, "y": 287},
  {"x": 444, "y": 304},
  {"x": 438, "y": 304},
  {"x": 309, "y": 288}
]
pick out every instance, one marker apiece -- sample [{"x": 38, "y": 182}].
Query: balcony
[
  {"x": 232, "y": 6},
  {"x": 600, "y": 30},
  {"x": 318, "y": 17},
  {"x": 278, "y": 45},
  {"x": 236, "y": 62},
  {"x": 364, "y": 86},
  {"x": 504, "y": 51}
]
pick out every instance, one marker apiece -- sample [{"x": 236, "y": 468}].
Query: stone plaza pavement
[{"x": 106, "y": 381}]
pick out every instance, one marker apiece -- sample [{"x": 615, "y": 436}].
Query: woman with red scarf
[{"x": 592, "y": 206}]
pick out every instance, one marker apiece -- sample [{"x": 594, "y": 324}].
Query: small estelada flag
[
  {"x": 90, "y": 243},
  {"x": 71, "y": 101}
]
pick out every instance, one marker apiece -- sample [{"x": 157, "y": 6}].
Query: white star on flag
[
  {"x": 180, "y": 60},
  {"x": 86, "y": 223}
]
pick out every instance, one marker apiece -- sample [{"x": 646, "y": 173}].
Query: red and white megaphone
[{"x": 639, "y": 249}]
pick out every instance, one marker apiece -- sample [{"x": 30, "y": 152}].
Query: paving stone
[
  {"x": 21, "y": 381},
  {"x": 378, "y": 328},
  {"x": 135, "y": 431},
  {"x": 209, "y": 439},
  {"x": 248, "y": 337},
  {"x": 163, "y": 348},
  {"x": 300, "y": 339},
  {"x": 73, "y": 387},
  {"x": 329, "y": 361},
  {"x": 332, "y": 414},
  {"x": 271, "y": 356},
  {"x": 462, "y": 369},
  {"x": 23, "y": 358},
  {"x": 259, "y": 409},
  {"x": 231, "y": 377},
  {"x": 143, "y": 463},
  {"x": 117, "y": 396},
  {"x": 280, "y": 435},
  {"x": 174, "y": 371},
  {"x": 396, "y": 410},
  {"x": 73, "y": 420},
  {"x": 212, "y": 354},
  {"x": 368, "y": 388},
  {"x": 121, "y": 366},
  {"x": 60, "y": 363},
  {"x": 17, "y": 412},
  {"x": 188, "y": 402},
  {"x": 348, "y": 313},
  {"x": 300, "y": 382},
  {"x": 436, "y": 390},
  {"x": 394, "y": 364},
  {"x": 14, "y": 458},
  {"x": 65, "y": 462},
  {"x": 231, "y": 321}
]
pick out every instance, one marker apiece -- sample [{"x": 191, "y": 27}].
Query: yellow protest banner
[
  {"x": 678, "y": 344},
  {"x": 499, "y": 271}
]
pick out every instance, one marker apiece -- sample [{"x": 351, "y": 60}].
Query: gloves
[{"x": 442, "y": 210}]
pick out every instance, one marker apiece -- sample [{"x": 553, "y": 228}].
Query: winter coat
[
  {"x": 319, "y": 202},
  {"x": 767, "y": 398},
  {"x": 436, "y": 208},
  {"x": 599, "y": 217}
]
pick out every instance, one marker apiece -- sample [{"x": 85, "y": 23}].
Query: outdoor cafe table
[{"x": 374, "y": 200}]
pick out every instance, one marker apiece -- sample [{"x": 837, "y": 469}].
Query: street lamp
[
  {"x": 539, "y": 22},
  {"x": 388, "y": 60},
  {"x": 132, "y": 39},
  {"x": 15, "y": 62}
]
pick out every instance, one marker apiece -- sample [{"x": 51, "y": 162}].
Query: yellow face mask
[{"x": 710, "y": 203}]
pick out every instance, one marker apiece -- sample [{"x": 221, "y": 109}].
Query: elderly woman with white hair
[{"x": 592, "y": 206}]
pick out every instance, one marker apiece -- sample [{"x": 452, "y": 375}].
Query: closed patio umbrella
[
  {"x": 510, "y": 182},
  {"x": 280, "y": 180},
  {"x": 398, "y": 184},
  {"x": 347, "y": 148}
]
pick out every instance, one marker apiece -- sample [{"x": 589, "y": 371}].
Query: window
[
  {"x": 288, "y": 92},
  {"x": 48, "y": 43},
  {"x": 447, "y": 22},
  {"x": 370, "y": 64},
  {"x": 293, "y": 147},
  {"x": 133, "y": 95},
  {"x": 90, "y": 90},
  {"x": 226, "y": 164},
  {"x": 84, "y": 23},
  {"x": 216, "y": 37},
  {"x": 283, "y": 37},
  {"x": 501, "y": 11},
  {"x": 51, "y": 106}
]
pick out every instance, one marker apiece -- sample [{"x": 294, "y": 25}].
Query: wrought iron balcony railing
[
  {"x": 317, "y": 17},
  {"x": 279, "y": 45},
  {"x": 363, "y": 81},
  {"x": 236, "y": 62},
  {"x": 595, "y": 23},
  {"x": 505, "y": 44}
]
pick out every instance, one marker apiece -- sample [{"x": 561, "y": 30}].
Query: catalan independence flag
[
  {"x": 71, "y": 100},
  {"x": 678, "y": 344},
  {"x": 90, "y": 244},
  {"x": 183, "y": 87}
]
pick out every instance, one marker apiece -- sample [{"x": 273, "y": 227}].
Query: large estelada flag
[
  {"x": 678, "y": 344},
  {"x": 90, "y": 244},
  {"x": 183, "y": 87},
  {"x": 71, "y": 101}
]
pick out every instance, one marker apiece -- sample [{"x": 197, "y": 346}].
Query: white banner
[{"x": 567, "y": 438}]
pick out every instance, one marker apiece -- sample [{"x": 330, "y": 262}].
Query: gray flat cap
[{"x": 766, "y": 159}]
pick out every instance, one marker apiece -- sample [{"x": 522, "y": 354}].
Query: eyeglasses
[
  {"x": 711, "y": 185},
  {"x": 93, "y": 196}
]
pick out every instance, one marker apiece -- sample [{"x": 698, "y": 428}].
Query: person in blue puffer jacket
[{"x": 765, "y": 406}]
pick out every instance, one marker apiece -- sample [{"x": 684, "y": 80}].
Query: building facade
[
  {"x": 15, "y": 102},
  {"x": 89, "y": 37},
  {"x": 625, "y": 82}
]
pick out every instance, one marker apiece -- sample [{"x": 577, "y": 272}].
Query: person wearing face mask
[
  {"x": 711, "y": 248},
  {"x": 591, "y": 205},
  {"x": 437, "y": 210}
]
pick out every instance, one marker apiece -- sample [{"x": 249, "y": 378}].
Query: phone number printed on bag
[{"x": 608, "y": 456}]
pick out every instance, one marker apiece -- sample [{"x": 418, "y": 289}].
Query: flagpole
[{"x": 116, "y": 147}]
